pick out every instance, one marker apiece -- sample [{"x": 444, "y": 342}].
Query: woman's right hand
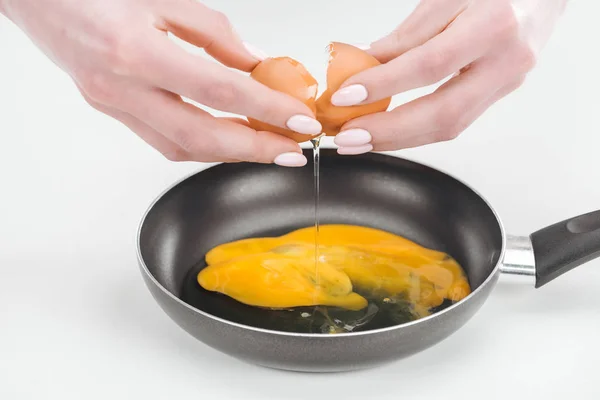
[{"x": 121, "y": 59}]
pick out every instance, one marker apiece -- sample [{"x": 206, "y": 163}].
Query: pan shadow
[
  {"x": 137, "y": 317},
  {"x": 572, "y": 292}
]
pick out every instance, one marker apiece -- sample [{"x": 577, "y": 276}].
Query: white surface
[{"x": 76, "y": 321}]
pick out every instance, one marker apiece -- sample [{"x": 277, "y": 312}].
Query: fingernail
[
  {"x": 256, "y": 53},
  {"x": 352, "y": 137},
  {"x": 290, "y": 160},
  {"x": 355, "y": 149},
  {"x": 349, "y": 96},
  {"x": 305, "y": 125}
]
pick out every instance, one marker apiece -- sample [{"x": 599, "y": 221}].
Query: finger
[
  {"x": 167, "y": 148},
  {"x": 473, "y": 115},
  {"x": 205, "y": 137},
  {"x": 211, "y": 30},
  {"x": 427, "y": 20},
  {"x": 236, "y": 120},
  {"x": 172, "y": 68},
  {"x": 155, "y": 139},
  {"x": 473, "y": 34},
  {"x": 438, "y": 116}
]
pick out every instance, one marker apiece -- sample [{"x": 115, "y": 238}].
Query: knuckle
[
  {"x": 260, "y": 153},
  {"x": 271, "y": 111},
  {"x": 446, "y": 135},
  {"x": 220, "y": 25},
  {"x": 518, "y": 83},
  {"x": 176, "y": 155},
  {"x": 92, "y": 103},
  {"x": 220, "y": 95},
  {"x": 123, "y": 52},
  {"x": 503, "y": 21},
  {"x": 436, "y": 65},
  {"x": 187, "y": 141},
  {"x": 524, "y": 58},
  {"x": 97, "y": 89},
  {"x": 221, "y": 21},
  {"x": 398, "y": 38},
  {"x": 96, "y": 106},
  {"x": 255, "y": 147},
  {"x": 449, "y": 115},
  {"x": 247, "y": 149}
]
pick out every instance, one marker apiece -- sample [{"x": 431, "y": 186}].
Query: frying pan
[{"x": 233, "y": 201}]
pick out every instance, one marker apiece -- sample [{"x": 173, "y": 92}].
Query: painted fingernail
[
  {"x": 349, "y": 96},
  {"x": 355, "y": 149},
  {"x": 305, "y": 125},
  {"x": 290, "y": 160},
  {"x": 255, "y": 52},
  {"x": 352, "y": 137}
]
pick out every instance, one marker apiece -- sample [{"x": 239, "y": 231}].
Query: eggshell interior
[
  {"x": 286, "y": 75},
  {"x": 345, "y": 61},
  {"x": 289, "y": 76}
]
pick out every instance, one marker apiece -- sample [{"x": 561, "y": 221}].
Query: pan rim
[{"x": 423, "y": 320}]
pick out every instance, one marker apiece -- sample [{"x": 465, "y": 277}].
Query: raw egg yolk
[
  {"x": 281, "y": 278},
  {"x": 287, "y": 75},
  {"x": 354, "y": 263}
]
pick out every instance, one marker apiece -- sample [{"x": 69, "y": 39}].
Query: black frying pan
[{"x": 233, "y": 201}]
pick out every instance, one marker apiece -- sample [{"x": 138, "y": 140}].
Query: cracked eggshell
[
  {"x": 287, "y": 75},
  {"x": 345, "y": 61}
]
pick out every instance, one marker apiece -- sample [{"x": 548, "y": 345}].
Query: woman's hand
[
  {"x": 488, "y": 45},
  {"x": 120, "y": 57}
]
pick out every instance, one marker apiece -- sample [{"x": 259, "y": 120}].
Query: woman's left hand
[{"x": 488, "y": 45}]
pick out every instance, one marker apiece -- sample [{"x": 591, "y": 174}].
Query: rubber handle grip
[{"x": 565, "y": 245}]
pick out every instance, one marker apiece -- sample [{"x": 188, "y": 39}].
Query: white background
[{"x": 76, "y": 321}]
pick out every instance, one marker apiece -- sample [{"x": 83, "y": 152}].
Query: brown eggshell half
[
  {"x": 286, "y": 75},
  {"x": 345, "y": 61}
]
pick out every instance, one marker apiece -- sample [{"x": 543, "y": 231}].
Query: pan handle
[{"x": 565, "y": 245}]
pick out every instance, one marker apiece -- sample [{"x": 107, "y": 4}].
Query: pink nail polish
[
  {"x": 290, "y": 160},
  {"x": 350, "y": 96},
  {"x": 305, "y": 125},
  {"x": 355, "y": 150},
  {"x": 352, "y": 137}
]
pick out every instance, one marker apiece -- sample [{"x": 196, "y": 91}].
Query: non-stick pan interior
[{"x": 234, "y": 201}]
